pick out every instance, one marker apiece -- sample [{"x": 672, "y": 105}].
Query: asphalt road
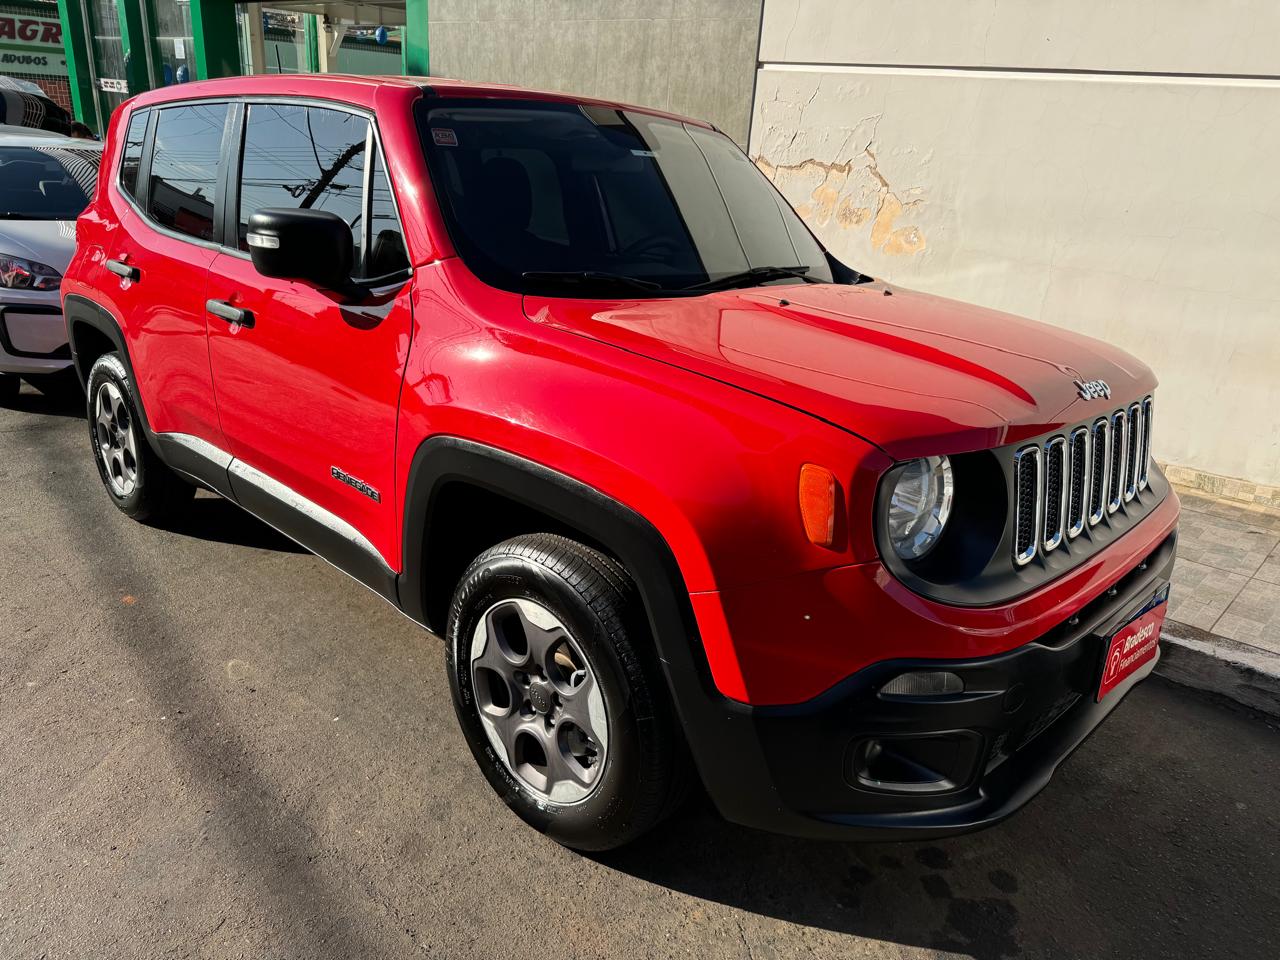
[{"x": 214, "y": 745}]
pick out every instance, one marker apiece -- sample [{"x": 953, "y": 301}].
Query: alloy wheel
[
  {"x": 117, "y": 444},
  {"x": 539, "y": 701}
]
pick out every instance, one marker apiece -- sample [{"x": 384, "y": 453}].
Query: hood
[
  {"x": 912, "y": 373},
  {"x": 51, "y": 242}
]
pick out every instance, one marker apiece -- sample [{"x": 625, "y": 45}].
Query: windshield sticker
[
  {"x": 444, "y": 137},
  {"x": 643, "y": 153}
]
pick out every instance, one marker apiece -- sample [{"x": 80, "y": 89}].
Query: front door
[{"x": 308, "y": 387}]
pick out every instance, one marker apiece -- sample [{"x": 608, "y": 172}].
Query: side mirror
[{"x": 293, "y": 244}]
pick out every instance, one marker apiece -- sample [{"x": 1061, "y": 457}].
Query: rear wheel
[
  {"x": 559, "y": 696},
  {"x": 138, "y": 483}
]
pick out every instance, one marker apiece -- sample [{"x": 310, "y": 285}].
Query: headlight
[
  {"x": 22, "y": 274},
  {"x": 919, "y": 506}
]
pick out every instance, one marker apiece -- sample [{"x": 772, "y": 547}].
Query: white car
[{"x": 46, "y": 180}]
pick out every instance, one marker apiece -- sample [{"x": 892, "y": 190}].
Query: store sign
[
  {"x": 112, "y": 85},
  {"x": 31, "y": 45}
]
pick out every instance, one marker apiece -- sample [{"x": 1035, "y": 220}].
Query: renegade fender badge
[
  {"x": 1093, "y": 389},
  {"x": 343, "y": 477}
]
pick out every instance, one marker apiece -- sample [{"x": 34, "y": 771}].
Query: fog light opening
[{"x": 923, "y": 683}]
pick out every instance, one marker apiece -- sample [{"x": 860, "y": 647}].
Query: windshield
[
  {"x": 46, "y": 183},
  {"x": 577, "y": 194}
]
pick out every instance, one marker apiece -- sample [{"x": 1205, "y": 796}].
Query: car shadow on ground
[
  {"x": 1145, "y": 844},
  {"x": 915, "y": 894},
  {"x": 56, "y": 403},
  {"x": 217, "y": 520}
]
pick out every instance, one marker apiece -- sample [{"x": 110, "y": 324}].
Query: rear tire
[
  {"x": 559, "y": 694},
  {"x": 138, "y": 482},
  {"x": 9, "y": 387}
]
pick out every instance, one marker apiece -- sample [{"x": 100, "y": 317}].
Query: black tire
[
  {"x": 156, "y": 493},
  {"x": 9, "y": 387},
  {"x": 645, "y": 770}
]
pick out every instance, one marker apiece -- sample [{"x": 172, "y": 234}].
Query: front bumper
[
  {"x": 33, "y": 334},
  {"x": 795, "y": 769}
]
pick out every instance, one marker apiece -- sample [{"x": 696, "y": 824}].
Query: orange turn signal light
[{"x": 818, "y": 504}]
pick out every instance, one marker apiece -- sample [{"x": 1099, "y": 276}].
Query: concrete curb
[{"x": 1201, "y": 660}]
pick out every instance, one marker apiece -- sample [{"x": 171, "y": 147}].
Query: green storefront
[{"x": 117, "y": 48}]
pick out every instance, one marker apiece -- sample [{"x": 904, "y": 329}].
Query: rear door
[
  {"x": 166, "y": 197},
  {"x": 308, "y": 395}
]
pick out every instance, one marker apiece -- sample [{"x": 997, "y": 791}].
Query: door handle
[
  {"x": 124, "y": 270},
  {"x": 225, "y": 311}
]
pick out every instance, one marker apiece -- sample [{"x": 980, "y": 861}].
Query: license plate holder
[{"x": 1133, "y": 645}]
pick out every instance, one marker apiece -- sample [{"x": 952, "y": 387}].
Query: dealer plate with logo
[{"x": 1134, "y": 645}]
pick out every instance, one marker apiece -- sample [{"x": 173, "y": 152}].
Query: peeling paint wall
[
  {"x": 957, "y": 148},
  {"x": 693, "y": 57}
]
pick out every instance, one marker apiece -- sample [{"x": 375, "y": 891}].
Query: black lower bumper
[{"x": 817, "y": 769}]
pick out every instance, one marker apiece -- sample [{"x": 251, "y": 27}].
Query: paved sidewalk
[
  {"x": 1223, "y": 628},
  {"x": 1227, "y": 578}
]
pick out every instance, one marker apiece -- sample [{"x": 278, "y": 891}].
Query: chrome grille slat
[
  {"x": 1074, "y": 481},
  {"x": 1078, "y": 486},
  {"x": 1027, "y": 505},
  {"x": 1144, "y": 458},
  {"x": 1119, "y": 456},
  {"x": 1055, "y": 493},
  {"x": 1133, "y": 429},
  {"x": 1100, "y": 441}
]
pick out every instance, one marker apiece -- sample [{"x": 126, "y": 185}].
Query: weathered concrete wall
[
  {"x": 953, "y": 148},
  {"x": 695, "y": 57}
]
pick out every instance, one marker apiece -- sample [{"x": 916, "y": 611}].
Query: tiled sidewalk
[{"x": 1227, "y": 578}]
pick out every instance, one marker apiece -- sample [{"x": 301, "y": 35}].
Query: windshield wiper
[
  {"x": 590, "y": 278},
  {"x": 754, "y": 277}
]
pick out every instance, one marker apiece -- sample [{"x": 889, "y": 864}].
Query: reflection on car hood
[
  {"x": 51, "y": 242},
  {"x": 913, "y": 373}
]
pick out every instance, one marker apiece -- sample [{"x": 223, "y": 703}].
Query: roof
[
  {"x": 343, "y": 85},
  {"x": 13, "y": 136}
]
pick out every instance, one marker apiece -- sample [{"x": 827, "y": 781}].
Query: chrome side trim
[
  {"x": 313, "y": 511},
  {"x": 1025, "y": 459},
  {"x": 1055, "y": 451},
  {"x": 201, "y": 448},
  {"x": 1077, "y": 515}
]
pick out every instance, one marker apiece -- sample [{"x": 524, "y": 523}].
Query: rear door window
[{"x": 184, "y": 168}]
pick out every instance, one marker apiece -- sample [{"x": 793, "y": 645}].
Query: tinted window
[
  {"x": 580, "y": 189},
  {"x": 386, "y": 240},
  {"x": 132, "y": 154},
  {"x": 46, "y": 183},
  {"x": 184, "y": 168},
  {"x": 303, "y": 157}
]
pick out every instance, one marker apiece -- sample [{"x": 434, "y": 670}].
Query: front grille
[{"x": 1074, "y": 481}]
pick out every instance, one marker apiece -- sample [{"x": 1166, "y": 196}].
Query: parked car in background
[
  {"x": 46, "y": 180},
  {"x": 569, "y": 383}
]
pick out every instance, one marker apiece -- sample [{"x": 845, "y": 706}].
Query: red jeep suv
[{"x": 570, "y": 384}]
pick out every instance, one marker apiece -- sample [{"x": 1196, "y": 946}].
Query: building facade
[{"x": 1102, "y": 165}]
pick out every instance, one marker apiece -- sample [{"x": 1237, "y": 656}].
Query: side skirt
[{"x": 325, "y": 534}]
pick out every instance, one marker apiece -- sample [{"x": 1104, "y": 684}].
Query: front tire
[
  {"x": 138, "y": 482},
  {"x": 558, "y": 694}
]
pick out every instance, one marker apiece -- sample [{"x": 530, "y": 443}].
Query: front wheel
[
  {"x": 559, "y": 696},
  {"x": 139, "y": 483}
]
